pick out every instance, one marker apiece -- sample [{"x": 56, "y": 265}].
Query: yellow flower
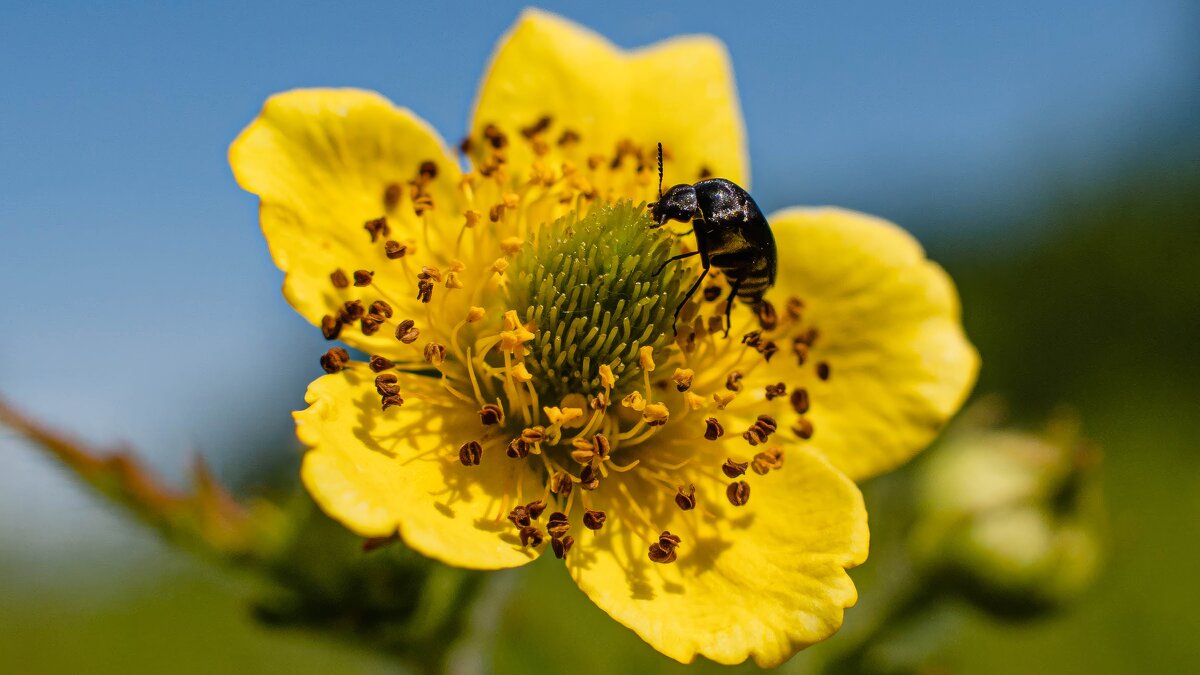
[{"x": 495, "y": 301}]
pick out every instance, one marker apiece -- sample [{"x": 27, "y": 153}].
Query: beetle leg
[
  {"x": 733, "y": 289},
  {"x": 688, "y": 296},
  {"x": 673, "y": 258}
]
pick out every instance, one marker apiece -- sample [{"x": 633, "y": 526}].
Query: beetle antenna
[{"x": 660, "y": 172}]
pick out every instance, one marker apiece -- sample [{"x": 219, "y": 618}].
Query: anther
[
  {"x": 531, "y": 536},
  {"x": 424, "y": 290},
  {"x": 428, "y": 170},
  {"x": 685, "y": 497},
  {"x": 435, "y": 353},
  {"x": 656, "y": 414},
  {"x": 712, "y": 293},
  {"x": 693, "y": 400},
  {"x": 330, "y": 327},
  {"x": 799, "y": 400},
  {"x": 562, "y": 545},
  {"x": 407, "y": 332},
  {"x": 723, "y": 398},
  {"x": 430, "y": 272},
  {"x": 800, "y": 349},
  {"x": 607, "y": 380},
  {"x": 738, "y": 493},
  {"x": 520, "y": 517},
  {"x": 391, "y": 196},
  {"x": 589, "y": 478},
  {"x": 561, "y": 483},
  {"x": 378, "y": 363},
  {"x": 371, "y": 323},
  {"x": 475, "y": 314},
  {"x": 734, "y": 469},
  {"x": 734, "y": 381},
  {"x": 542, "y": 124},
  {"x": 363, "y": 277},
  {"x": 494, "y": 136},
  {"x": 767, "y": 460},
  {"x": 351, "y": 311},
  {"x": 794, "y": 307},
  {"x": 602, "y": 444},
  {"x": 803, "y": 428},
  {"x": 386, "y": 384},
  {"x": 517, "y": 449},
  {"x": 535, "y": 509},
  {"x": 634, "y": 400},
  {"x": 767, "y": 318},
  {"x": 379, "y": 226},
  {"x": 768, "y": 349},
  {"x": 470, "y": 453},
  {"x": 335, "y": 360},
  {"x": 594, "y": 520},
  {"x": 568, "y": 137},
  {"x": 496, "y": 213},
  {"x": 713, "y": 429},
  {"x": 557, "y": 525},
  {"x": 535, "y": 434},
  {"x": 394, "y": 250},
  {"x": 762, "y": 429},
  {"x": 823, "y": 371},
  {"x": 339, "y": 279},
  {"x": 646, "y": 358},
  {"x": 774, "y": 391},
  {"x": 491, "y": 414},
  {"x": 752, "y": 339},
  {"x": 683, "y": 379},
  {"x": 390, "y": 401},
  {"x": 380, "y": 308},
  {"x": 663, "y": 550}
]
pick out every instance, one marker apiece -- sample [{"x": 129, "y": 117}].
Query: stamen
[
  {"x": 803, "y": 428},
  {"x": 339, "y": 279},
  {"x": 491, "y": 414},
  {"x": 330, "y": 327},
  {"x": 734, "y": 469},
  {"x": 435, "y": 353},
  {"x": 379, "y": 226},
  {"x": 685, "y": 497},
  {"x": 738, "y": 493},
  {"x": 335, "y": 360},
  {"x": 562, "y": 545},
  {"x": 713, "y": 429},
  {"x": 799, "y": 400},
  {"x": 823, "y": 371},
  {"x": 471, "y": 453},
  {"x": 734, "y": 381},
  {"x": 663, "y": 550},
  {"x": 594, "y": 520},
  {"x": 351, "y": 311},
  {"x": 683, "y": 378},
  {"x": 363, "y": 277},
  {"x": 394, "y": 250},
  {"x": 407, "y": 332},
  {"x": 762, "y": 429},
  {"x": 379, "y": 364},
  {"x": 386, "y": 384}
]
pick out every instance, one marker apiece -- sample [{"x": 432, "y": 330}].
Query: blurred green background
[{"x": 1079, "y": 285}]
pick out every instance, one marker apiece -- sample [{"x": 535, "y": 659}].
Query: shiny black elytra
[{"x": 731, "y": 235}]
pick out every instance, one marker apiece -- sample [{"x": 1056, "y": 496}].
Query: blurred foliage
[{"x": 1095, "y": 303}]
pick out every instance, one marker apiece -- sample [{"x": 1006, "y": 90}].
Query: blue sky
[{"x": 140, "y": 303}]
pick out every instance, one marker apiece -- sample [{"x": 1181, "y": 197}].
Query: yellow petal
[
  {"x": 381, "y": 471},
  {"x": 889, "y": 330},
  {"x": 763, "y": 580},
  {"x": 321, "y": 160},
  {"x": 679, "y": 92}
]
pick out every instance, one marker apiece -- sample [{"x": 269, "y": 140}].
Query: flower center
[{"x": 601, "y": 288}]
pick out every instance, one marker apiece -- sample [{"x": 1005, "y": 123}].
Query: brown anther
[
  {"x": 381, "y": 309},
  {"x": 711, "y": 293},
  {"x": 422, "y": 204},
  {"x": 734, "y": 381},
  {"x": 768, "y": 349},
  {"x": 589, "y": 478},
  {"x": 435, "y": 353},
  {"x": 762, "y": 429},
  {"x": 491, "y": 414},
  {"x": 823, "y": 371},
  {"x": 584, "y": 450},
  {"x": 774, "y": 391},
  {"x": 391, "y": 196},
  {"x": 800, "y": 348},
  {"x": 428, "y": 170},
  {"x": 767, "y": 318},
  {"x": 363, "y": 277},
  {"x": 535, "y": 434},
  {"x": 568, "y": 137},
  {"x": 531, "y": 536},
  {"x": 335, "y": 360},
  {"x": 705, "y": 172},
  {"x": 738, "y": 493},
  {"x": 494, "y": 136},
  {"x": 767, "y": 460},
  {"x": 794, "y": 307},
  {"x": 424, "y": 290},
  {"x": 496, "y": 212},
  {"x": 352, "y": 311},
  {"x": 542, "y": 124},
  {"x": 685, "y": 497},
  {"x": 466, "y": 145},
  {"x": 594, "y": 520},
  {"x": 663, "y": 550},
  {"x": 339, "y": 278},
  {"x": 716, "y": 324},
  {"x": 520, "y": 517},
  {"x": 394, "y": 250},
  {"x": 595, "y": 161},
  {"x": 378, "y": 363},
  {"x": 386, "y": 384},
  {"x": 470, "y": 453},
  {"x": 600, "y": 401},
  {"x": 602, "y": 445},
  {"x": 535, "y": 509},
  {"x": 803, "y": 428},
  {"x": 370, "y": 324},
  {"x": 561, "y": 483},
  {"x": 810, "y": 337},
  {"x": 330, "y": 327},
  {"x": 517, "y": 449},
  {"x": 799, "y": 400},
  {"x": 377, "y": 227},
  {"x": 557, "y": 524},
  {"x": 407, "y": 332},
  {"x": 752, "y": 339},
  {"x": 562, "y": 545},
  {"x": 430, "y": 272},
  {"x": 734, "y": 469},
  {"x": 713, "y": 429},
  {"x": 390, "y": 401}
]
